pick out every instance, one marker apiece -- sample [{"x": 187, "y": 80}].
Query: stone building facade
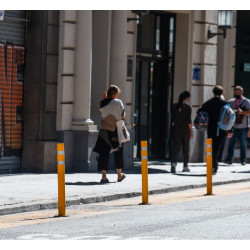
[{"x": 72, "y": 56}]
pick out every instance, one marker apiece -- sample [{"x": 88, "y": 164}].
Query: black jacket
[{"x": 213, "y": 108}]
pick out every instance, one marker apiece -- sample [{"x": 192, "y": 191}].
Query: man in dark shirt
[{"x": 213, "y": 108}]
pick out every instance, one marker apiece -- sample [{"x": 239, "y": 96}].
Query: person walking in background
[
  {"x": 112, "y": 110},
  {"x": 182, "y": 131},
  {"x": 213, "y": 108},
  {"x": 241, "y": 105}
]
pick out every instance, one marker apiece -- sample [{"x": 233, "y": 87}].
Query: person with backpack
[
  {"x": 241, "y": 105},
  {"x": 182, "y": 131},
  {"x": 213, "y": 108}
]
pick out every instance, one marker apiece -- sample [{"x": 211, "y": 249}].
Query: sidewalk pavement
[{"x": 23, "y": 192}]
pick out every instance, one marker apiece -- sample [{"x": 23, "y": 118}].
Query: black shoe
[
  {"x": 104, "y": 181},
  {"x": 173, "y": 171},
  {"x": 214, "y": 172},
  {"x": 228, "y": 162},
  {"x": 173, "y": 168},
  {"x": 243, "y": 163}
]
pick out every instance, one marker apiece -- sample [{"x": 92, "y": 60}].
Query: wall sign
[
  {"x": 196, "y": 74},
  {"x": 247, "y": 67}
]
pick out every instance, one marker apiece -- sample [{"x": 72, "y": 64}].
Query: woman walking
[
  {"x": 182, "y": 131},
  {"x": 112, "y": 110}
]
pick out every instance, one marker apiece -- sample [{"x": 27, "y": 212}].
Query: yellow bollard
[
  {"x": 144, "y": 171},
  {"x": 61, "y": 179},
  {"x": 209, "y": 166}
]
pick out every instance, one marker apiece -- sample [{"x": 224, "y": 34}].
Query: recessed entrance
[{"x": 154, "y": 83}]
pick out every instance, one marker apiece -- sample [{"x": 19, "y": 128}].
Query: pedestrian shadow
[
  {"x": 192, "y": 175},
  {"x": 137, "y": 170},
  {"x": 156, "y": 162},
  {"x": 85, "y": 183},
  {"x": 241, "y": 172}
]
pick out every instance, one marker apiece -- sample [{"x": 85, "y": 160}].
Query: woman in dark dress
[{"x": 182, "y": 131}]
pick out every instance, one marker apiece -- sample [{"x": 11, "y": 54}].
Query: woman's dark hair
[
  {"x": 182, "y": 97},
  {"x": 113, "y": 90}
]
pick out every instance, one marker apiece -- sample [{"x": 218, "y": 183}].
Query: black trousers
[
  {"x": 221, "y": 150},
  {"x": 103, "y": 161},
  {"x": 216, "y": 144},
  {"x": 180, "y": 140}
]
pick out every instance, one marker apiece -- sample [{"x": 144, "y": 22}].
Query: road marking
[
  {"x": 41, "y": 237},
  {"x": 93, "y": 237},
  {"x": 30, "y": 218},
  {"x": 152, "y": 238},
  {"x": 61, "y": 237}
]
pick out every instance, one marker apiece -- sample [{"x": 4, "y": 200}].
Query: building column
[
  {"x": 118, "y": 51},
  {"x": 100, "y": 59},
  {"x": 118, "y": 70},
  {"x": 204, "y": 72},
  {"x": 226, "y": 60},
  {"x": 84, "y": 130},
  {"x": 65, "y": 87},
  {"x": 83, "y": 60},
  {"x": 40, "y": 87}
]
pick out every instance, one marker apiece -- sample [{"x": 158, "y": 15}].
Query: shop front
[{"x": 12, "y": 62}]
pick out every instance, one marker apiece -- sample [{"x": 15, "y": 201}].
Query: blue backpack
[
  {"x": 201, "y": 120},
  {"x": 227, "y": 118}
]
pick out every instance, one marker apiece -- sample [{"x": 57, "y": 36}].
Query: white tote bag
[{"x": 123, "y": 134}]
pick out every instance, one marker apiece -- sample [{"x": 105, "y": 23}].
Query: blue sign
[{"x": 196, "y": 74}]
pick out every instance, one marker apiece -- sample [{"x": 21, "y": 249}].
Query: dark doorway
[
  {"x": 242, "y": 61},
  {"x": 242, "y": 64},
  {"x": 154, "y": 83}
]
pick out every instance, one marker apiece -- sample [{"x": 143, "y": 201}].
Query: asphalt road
[{"x": 187, "y": 215}]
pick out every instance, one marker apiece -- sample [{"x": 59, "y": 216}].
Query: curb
[{"x": 79, "y": 201}]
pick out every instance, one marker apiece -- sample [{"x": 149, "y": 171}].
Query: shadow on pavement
[
  {"x": 192, "y": 175},
  {"x": 137, "y": 170},
  {"x": 156, "y": 162},
  {"x": 85, "y": 183},
  {"x": 242, "y": 172}
]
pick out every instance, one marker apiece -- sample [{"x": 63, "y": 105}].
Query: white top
[{"x": 115, "y": 108}]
